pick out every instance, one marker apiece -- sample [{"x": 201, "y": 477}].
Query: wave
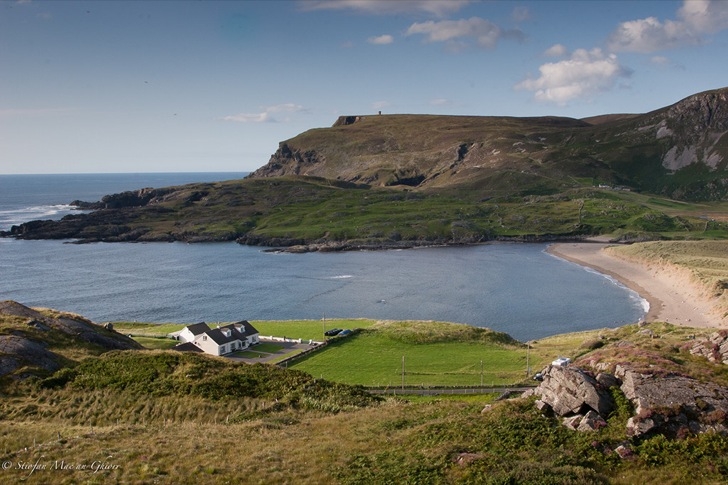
[
  {"x": 633, "y": 295},
  {"x": 12, "y": 217},
  {"x": 340, "y": 277}
]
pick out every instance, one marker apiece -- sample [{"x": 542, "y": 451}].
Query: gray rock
[
  {"x": 18, "y": 348},
  {"x": 569, "y": 390},
  {"x": 591, "y": 422},
  {"x": 673, "y": 405}
]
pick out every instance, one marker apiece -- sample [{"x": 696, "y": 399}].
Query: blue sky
[{"x": 143, "y": 86}]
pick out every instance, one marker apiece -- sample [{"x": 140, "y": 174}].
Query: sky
[{"x": 206, "y": 86}]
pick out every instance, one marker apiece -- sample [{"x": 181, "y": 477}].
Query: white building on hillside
[{"x": 220, "y": 340}]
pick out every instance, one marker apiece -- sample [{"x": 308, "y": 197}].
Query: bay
[{"x": 514, "y": 288}]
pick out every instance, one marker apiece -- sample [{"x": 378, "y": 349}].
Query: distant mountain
[{"x": 680, "y": 151}]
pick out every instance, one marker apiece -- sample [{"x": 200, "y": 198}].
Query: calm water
[{"x": 515, "y": 288}]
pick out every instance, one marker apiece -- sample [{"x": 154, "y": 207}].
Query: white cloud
[
  {"x": 438, "y": 8},
  {"x": 660, "y": 60},
  {"x": 696, "y": 18},
  {"x": 582, "y": 75},
  {"x": 650, "y": 35},
  {"x": 381, "y": 39},
  {"x": 704, "y": 16},
  {"x": 265, "y": 116},
  {"x": 485, "y": 32},
  {"x": 556, "y": 50}
]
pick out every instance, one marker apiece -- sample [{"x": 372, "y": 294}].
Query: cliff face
[
  {"x": 694, "y": 131},
  {"x": 679, "y": 151}
]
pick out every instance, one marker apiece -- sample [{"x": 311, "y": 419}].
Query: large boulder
[{"x": 570, "y": 391}]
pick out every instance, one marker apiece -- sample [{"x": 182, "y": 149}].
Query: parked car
[
  {"x": 345, "y": 333},
  {"x": 333, "y": 332}
]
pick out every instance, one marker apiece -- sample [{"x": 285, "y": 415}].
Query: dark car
[{"x": 332, "y": 332}]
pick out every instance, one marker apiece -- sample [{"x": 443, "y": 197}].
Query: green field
[
  {"x": 372, "y": 359},
  {"x": 307, "y": 329},
  {"x": 435, "y": 353}
]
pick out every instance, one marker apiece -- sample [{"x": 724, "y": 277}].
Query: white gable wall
[
  {"x": 207, "y": 344},
  {"x": 186, "y": 336}
]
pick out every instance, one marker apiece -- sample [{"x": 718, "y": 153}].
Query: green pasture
[
  {"x": 435, "y": 353},
  {"x": 307, "y": 329},
  {"x": 372, "y": 358}
]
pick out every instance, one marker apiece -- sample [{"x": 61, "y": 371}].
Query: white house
[{"x": 220, "y": 340}]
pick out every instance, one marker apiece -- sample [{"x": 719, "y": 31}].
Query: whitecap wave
[
  {"x": 340, "y": 277},
  {"x": 633, "y": 295},
  {"x": 12, "y": 217}
]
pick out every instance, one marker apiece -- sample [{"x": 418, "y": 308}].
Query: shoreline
[{"x": 672, "y": 299}]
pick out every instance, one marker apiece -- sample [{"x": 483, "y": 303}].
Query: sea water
[{"x": 514, "y": 288}]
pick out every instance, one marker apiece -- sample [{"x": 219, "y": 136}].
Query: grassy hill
[
  {"x": 167, "y": 417},
  {"x": 407, "y": 180},
  {"x": 289, "y": 211},
  {"x": 680, "y": 151}
]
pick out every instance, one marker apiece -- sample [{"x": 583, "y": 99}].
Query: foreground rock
[
  {"x": 33, "y": 341},
  {"x": 572, "y": 393},
  {"x": 671, "y": 405},
  {"x": 674, "y": 406}
]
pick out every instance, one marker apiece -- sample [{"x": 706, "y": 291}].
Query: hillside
[
  {"x": 37, "y": 342},
  {"x": 170, "y": 417},
  {"x": 680, "y": 151},
  {"x": 392, "y": 181}
]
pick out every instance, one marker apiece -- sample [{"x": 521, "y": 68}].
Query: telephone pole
[{"x": 403, "y": 372}]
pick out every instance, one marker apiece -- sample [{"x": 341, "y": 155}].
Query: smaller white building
[{"x": 220, "y": 340}]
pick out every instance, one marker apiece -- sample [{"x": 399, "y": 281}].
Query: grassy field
[
  {"x": 384, "y": 355},
  {"x": 435, "y": 353}
]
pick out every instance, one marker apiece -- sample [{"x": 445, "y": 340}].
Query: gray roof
[
  {"x": 220, "y": 339},
  {"x": 198, "y": 328},
  {"x": 187, "y": 347},
  {"x": 244, "y": 327}
]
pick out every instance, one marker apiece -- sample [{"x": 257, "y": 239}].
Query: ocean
[{"x": 514, "y": 288}]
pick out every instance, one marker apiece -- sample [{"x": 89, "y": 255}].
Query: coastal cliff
[
  {"x": 410, "y": 180},
  {"x": 680, "y": 151}
]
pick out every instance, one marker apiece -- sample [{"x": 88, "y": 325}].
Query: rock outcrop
[
  {"x": 569, "y": 390},
  {"x": 671, "y": 405},
  {"x": 674, "y": 406},
  {"x": 714, "y": 348},
  {"x": 32, "y": 340}
]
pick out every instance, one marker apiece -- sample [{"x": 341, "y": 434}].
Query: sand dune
[{"x": 673, "y": 295}]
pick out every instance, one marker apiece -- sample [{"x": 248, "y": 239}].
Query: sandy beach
[{"x": 672, "y": 295}]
